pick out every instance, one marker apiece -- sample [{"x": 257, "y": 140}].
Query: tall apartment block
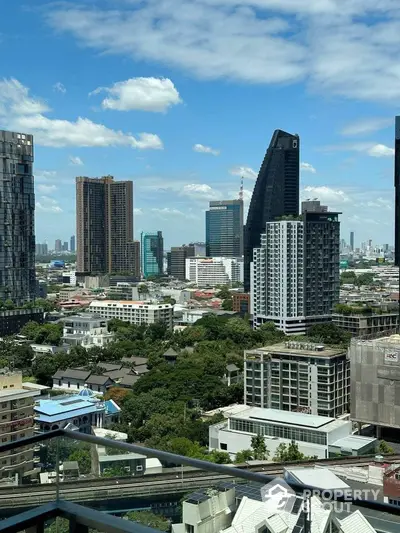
[
  {"x": 134, "y": 258},
  {"x": 224, "y": 229},
  {"x": 295, "y": 275},
  {"x": 152, "y": 253},
  {"x": 58, "y": 245},
  {"x": 298, "y": 376},
  {"x": 72, "y": 244},
  {"x": 352, "y": 241},
  {"x": 276, "y": 192},
  {"x": 104, "y": 224},
  {"x": 16, "y": 423},
  {"x": 176, "y": 260},
  {"x": 17, "y": 218}
]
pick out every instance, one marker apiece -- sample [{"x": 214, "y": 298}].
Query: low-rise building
[
  {"x": 13, "y": 320},
  {"x": 212, "y": 271},
  {"x": 16, "y": 423},
  {"x": 86, "y": 330},
  {"x": 48, "y": 349},
  {"x": 190, "y": 316},
  {"x": 74, "y": 380},
  {"x": 80, "y": 411},
  {"x": 134, "y": 312},
  {"x": 317, "y": 436},
  {"x": 241, "y": 302},
  {"x": 298, "y": 376},
  {"x": 367, "y": 325}
]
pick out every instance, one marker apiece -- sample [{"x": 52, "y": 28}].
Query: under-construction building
[{"x": 17, "y": 218}]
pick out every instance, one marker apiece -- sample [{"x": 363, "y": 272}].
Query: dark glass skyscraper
[
  {"x": 397, "y": 192},
  {"x": 152, "y": 254},
  {"x": 224, "y": 229},
  {"x": 276, "y": 192}
]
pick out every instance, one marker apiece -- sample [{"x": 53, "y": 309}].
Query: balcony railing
[{"x": 105, "y": 473}]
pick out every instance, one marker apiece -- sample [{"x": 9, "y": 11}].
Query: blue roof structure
[
  {"x": 111, "y": 407},
  {"x": 88, "y": 393},
  {"x": 66, "y": 407}
]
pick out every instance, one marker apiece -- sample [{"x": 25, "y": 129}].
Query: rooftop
[
  {"x": 101, "y": 303},
  {"x": 65, "y": 407},
  {"x": 354, "y": 442},
  {"x": 16, "y": 394},
  {"x": 320, "y": 478},
  {"x": 283, "y": 348},
  {"x": 322, "y": 423}
]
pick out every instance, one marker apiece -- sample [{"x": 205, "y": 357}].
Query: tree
[
  {"x": 290, "y": 452},
  {"x": 227, "y": 304},
  {"x": 243, "y": 456},
  {"x": 149, "y": 519},
  {"x": 59, "y": 525},
  {"x": 259, "y": 448},
  {"x": 218, "y": 457},
  {"x": 384, "y": 447},
  {"x": 83, "y": 457},
  {"x": 43, "y": 368},
  {"x": 118, "y": 394}
]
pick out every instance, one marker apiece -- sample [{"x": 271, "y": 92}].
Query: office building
[
  {"x": 213, "y": 271},
  {"x": 17, "y": 224},
  {"x": 224, "y": 229},
  {"x": 133, "y": 248},
  {"x": 352, "y": 241},
  {"x": 152, "y": 254},
  {"x": 199, "y": 248},
  {"x": 13, "y": 320},
  {"x": 134, "y": 312},
  {"x": 16, "y": 412},
  {"x": 318, "y": 436},
  {"x": 298, "y": 376},
  {"x": 58, "y": 246},
  {"x": 72, "y": 244},
  {"x": 276, "y": 192},
  {"x": 41, "y": 249},
  {"x": 176, "y": 261},
  {"x": 65, "y": 246},
  {"x": 104, "y": 224},
  {"x": 295, "y": 274},
  {"x": 375, "y": 381}
]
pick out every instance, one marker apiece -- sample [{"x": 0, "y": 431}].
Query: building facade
[
  {"x": 375, "y": 381},
  {"x": 72, "y": 244},
  {"x": 397, "y": 192},
  {"x": 104, "y": 224},
  {"x": 176, "y": 260},
  {"x": 276, "y": 192},
  {"x": 224, "y": 229},
  {"x": 86, "y": 330},
  {"x": 134, "y": 258},
  {"x": 134, "y": 312},
  {"x": 209, "y": 272},
  {"x": 152, "y": 254},
  {"x": 352, "y": 241},
  {"x": 368, "y": 325},
  {"x": 241, "y": 303},
  {"x": 295, "y": 273},
  {"x": 17, "y": 218},
  {"x": 16, "y": 423},
  {"x": 298, "y": 376},
  {"x": 13, "y": 320}
]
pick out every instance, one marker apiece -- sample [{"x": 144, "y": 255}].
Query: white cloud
[
  {"x": 44, "y": 175},
  {"x": 200, "y": 191},
  {"x": 144, "y": 94},
  {"x": 307, "y": 167},
  {"x": 349, "y": 48},
  {"x": 167, "y": 212},
  {"x": 369, "y": 148},
  {"x": 138, "y": 211},
  {"x": 46, "y": 188},
  {"x": 365, "y": 126},
  {"x": 327, "y": 195},
  {"x": 205, "y": 149},
  {"x": 245, "y": 172},
  {"x": 48, "y": 205},
  {"x": 380, "y": 150},
  {"x": 59, "y": 87},
  {"x": 20, "y": 112},
  {"x": 75, "y": 160}
]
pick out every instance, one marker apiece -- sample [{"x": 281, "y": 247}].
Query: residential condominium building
[
  {"x": 224, "y": 229},
  {"x": 16, "y": 423},
  {"x": 17, "y": 218},
  {"x": 275, "y": 194},
  {"x": 104, "y": 224},
  {"x": 152, "y": 254},
  {"x": 298, "y": 376},
  {"x": 367, "y": 325},
  {"x": 134, "y": 312},
  {"x": 295, "y": 273},
  {"x": 209, "y": 272},
  {"x": 176, "y": 261}
]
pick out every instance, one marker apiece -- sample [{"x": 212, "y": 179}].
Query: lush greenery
[
  {"x": 290, "y": 452},
  {"x": 350, "y": 277},
  {"x": 384, "y": 447},
  {"x": 284, "y": 453},
  {"x": 149, "y": 519},
  {"x": 344, "y": 309}
]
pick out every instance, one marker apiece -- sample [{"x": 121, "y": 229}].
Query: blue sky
[{"x": 182, "y": 97}]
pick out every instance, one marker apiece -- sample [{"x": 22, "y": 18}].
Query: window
[
  {"x": 59, "y": 382},
  {"x": 139, "y": 468},
  {"x": 4, "y": 405},
  {"x": 11, "y": 386},
  {"x": 4, "y": 417},
  {"x": 223, "y": 446},
  {"x": 77, "y": 385},
  {"x": 4, "y": 439},
  {"x": 69, "y": 384}
]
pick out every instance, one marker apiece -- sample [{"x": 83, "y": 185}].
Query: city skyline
[{"x": 212, "y": 111}]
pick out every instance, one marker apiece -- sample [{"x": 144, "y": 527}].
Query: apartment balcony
[{"x": 72, "y": 496}]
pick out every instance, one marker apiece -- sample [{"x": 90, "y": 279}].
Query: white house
[
  {"x": 86, "y": 330},
  {"x": 134, "y": 312}
]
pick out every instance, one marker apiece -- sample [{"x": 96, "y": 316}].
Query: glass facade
[
  {"x": 224, "y": 229},
  {"x": 152, "y": 252},
  {"x": 275, "y": 194}
]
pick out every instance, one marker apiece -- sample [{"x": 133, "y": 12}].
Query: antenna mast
[{"x": 241, "y": 189}]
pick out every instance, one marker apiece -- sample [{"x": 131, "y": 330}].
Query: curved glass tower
[{"x": 275, "y": 194}]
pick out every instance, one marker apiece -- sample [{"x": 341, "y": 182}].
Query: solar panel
[{"x": 70, "y": 402}]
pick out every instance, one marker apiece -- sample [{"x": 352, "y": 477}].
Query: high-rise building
[
  {"x": 298, "y": 376},
  {"x": 352, "y": 241},
  {"x": 41, "y": 249},
  {"x": 295, "y": 274},
  {"x": 152, "y": 253},
  {"x": 65, "y": 246},
  {"x": 397, "y": 193},
  {"x": 176, "y": 261},
  {"x": 17, "y": 224},
  {"x": 104, "y": 224},
  {"x": 134, "y": 258},
  {"x": 199, "y": 248},
  {"x": 276, "y": 192},
  {"x": 58, "y": 245},
  {"x": 224, "y": 229},
  {"x": 72, "y": 244}
]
